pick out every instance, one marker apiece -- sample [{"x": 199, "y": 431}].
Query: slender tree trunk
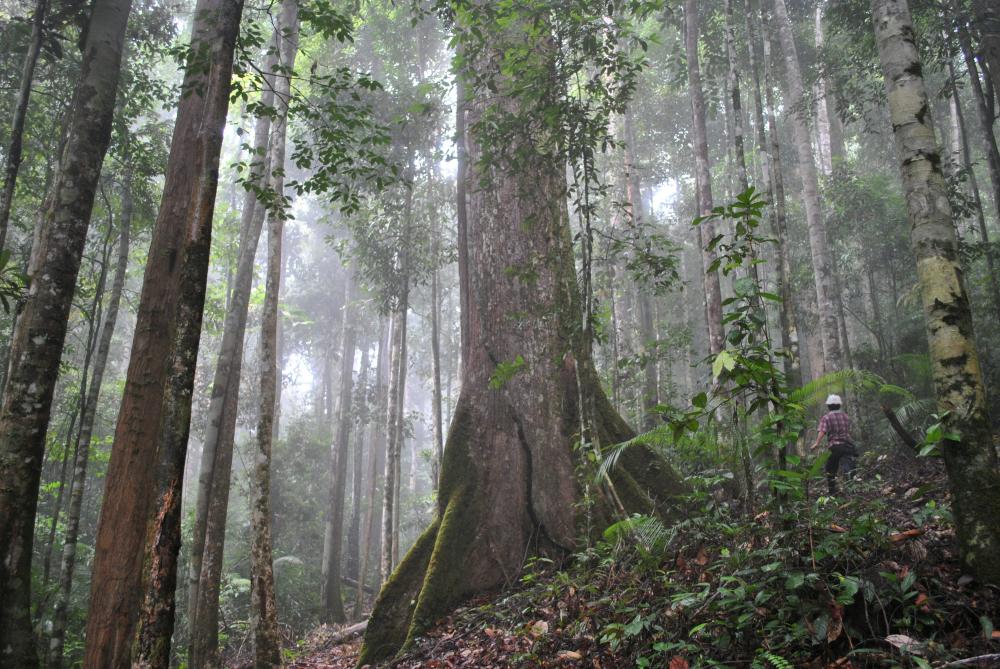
[
  {"x": 37, "y": 341},
  {"x": 15, "y": 145},
  {"x": 987, "y": 15},
  {"x": 375, "y": 466},
  {"x": 970, "y": 458},
  {"x": 508, "y": 486},
  {"x": 399, "y": 425},
  {"x": 461, "y": 210},
  {"x": 333, "y": 604},
  {"x": 633, "y": 199},
  {"x": 138, "y": 536},
  {"x": 966, "y": 158},
  {"x": 985, "y": 115},
  {"x": 775, "y": 194},
  {"x": 818, "y": 243},
  {"x": 353, "y": 563},
  {"x": 438, "y": 427},
  {"x": 703, "y": 177},
  {"x": 263, "y": 615},
  {"x": 221, "y": 421},
  {"x": 735, "y": 102},
  {"x": 824, "y": 143},
  {"x": 64, "y": 484},
  {"x": 93, "y": 318},
  {"x": 68, "y": 565}
]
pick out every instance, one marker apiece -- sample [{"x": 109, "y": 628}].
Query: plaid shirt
[{"x": 837, "y": 426}]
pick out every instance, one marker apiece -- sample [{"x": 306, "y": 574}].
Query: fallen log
[{"x": 347, "y": 633}]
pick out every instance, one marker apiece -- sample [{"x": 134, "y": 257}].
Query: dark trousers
[{"x": 839, "y": 453}]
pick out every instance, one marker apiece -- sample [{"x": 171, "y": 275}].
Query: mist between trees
[{"x": 321, "y": 312}]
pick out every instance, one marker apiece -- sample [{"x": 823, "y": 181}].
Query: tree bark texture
[
  {"x": 138, "y": 534},
  {"x": 15, "y": 145},
  {"x": 263, "y": 613},
  {"x": 508, "y": 488},
  {"x": 970, "y": 459},
  {"x": 819, "y": 246},
  {"x": 703, "y": 179},
  {"x": 37, "y": 341},
  {"x": 68, "y": 563},
  {"x": 333, "y": 604},
  {"x": 735, "y": 101},
  {"x": 397, "y": 368},
  {"x": 220, "y": 434}
]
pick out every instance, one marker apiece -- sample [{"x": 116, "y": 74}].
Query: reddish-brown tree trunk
[
  {"x": 138, "y": 535},
  {"x": 68, "y": 565}
]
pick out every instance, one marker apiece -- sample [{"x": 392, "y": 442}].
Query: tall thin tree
[{"x": 37, "y": 342}]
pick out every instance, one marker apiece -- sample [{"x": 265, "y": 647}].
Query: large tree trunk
[
  {"x": 37, "y": 341},
  {"x": 818, "y": 243},
  {"x": 220, "y": 434},
  {"x": 138, "y": 535},
  {"x": 987, "y": 15},
  {"x": 508, "y": 485},
  {"x": 15, "y": 144},
  {"x": 703, "y": 178},
  {"x": 59, "y": 615},
  {"x": 333, "y": 604},
  {"x": 263, "y": 614},
  {"x": 970, "y": 459}
]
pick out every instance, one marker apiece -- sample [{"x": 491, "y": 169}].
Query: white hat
[{"x": 833, "y": 399}]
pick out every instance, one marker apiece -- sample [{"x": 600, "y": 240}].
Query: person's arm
[
  {"x": 819, "y": 438},
  {"x": 820, "y": 434}
]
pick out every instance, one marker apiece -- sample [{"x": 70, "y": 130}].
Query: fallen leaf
[
  {"x": 995, "y": 634},
  {"x": 837, "y": 528},
  {"x": 902, "y": 536},
  {"x": 702, "y": 558},
  {"x": 566, "y": 655},
  {"x": 539, "y": 628},
  {"x": 906, "y": 644},
  {"x": 678, "y": 662}
]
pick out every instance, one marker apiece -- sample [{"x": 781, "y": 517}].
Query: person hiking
[{"x": 836, "y": 426}]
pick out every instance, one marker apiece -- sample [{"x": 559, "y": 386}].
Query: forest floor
[{"x": 868, "y": 580}]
